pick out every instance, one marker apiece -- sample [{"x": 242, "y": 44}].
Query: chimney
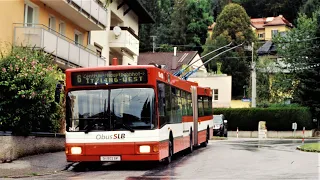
[
  {"x": 174, "y": 62},
  {"x": 114, "y": 61}
]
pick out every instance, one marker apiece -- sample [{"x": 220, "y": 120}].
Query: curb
[
  {"x": 307, "y": 150},
  {"x": 32, "y": 175}
]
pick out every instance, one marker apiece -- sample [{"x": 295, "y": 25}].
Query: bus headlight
[
  {"x": 144, "y": 149},
  {"x": 76, "y": 150}
]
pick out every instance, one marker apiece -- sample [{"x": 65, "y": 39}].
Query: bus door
[{"x": 195, "y": 114}]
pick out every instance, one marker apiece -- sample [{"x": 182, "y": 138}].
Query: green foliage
[
  {"x": 277, "y": 118},
  {"x": 234, "y": 22},
  {"x": 233, "y": 25},
  {"x": 178, "y": 22},
  {"x": 28, "y": 80},
  {"x": 310, "y": 7},
  {"x": 300, "y": 49}
]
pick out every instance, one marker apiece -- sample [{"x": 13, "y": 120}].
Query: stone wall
[
  {"x": 271, "y": 134},
  {"x": 14, "y": 147}
]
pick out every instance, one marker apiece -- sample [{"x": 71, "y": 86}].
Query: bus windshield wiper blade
[{"x": 127, "y": 127}]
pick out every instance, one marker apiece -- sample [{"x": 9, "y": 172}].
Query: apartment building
[
  {"x": 120, "y": 41},
  {"x": 61, "y": 27},
  {"x": 79, "y": 33}
]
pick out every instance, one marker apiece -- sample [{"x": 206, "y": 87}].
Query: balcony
[
  {"x": 66, "y": 50},
  {"x": 127, "y": 41},
  {"x": 88, "y": 14}
]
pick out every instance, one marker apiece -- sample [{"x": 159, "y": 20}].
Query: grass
[{"x": 310, "y": 147}]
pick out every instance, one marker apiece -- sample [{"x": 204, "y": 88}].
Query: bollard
[
  {"x": 303, "y": 135},
  {"x": 237, "y": 132},
  {"x": 265, "y": 133}
]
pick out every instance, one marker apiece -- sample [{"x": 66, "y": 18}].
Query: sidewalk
[{"x": 42, "y": 164}]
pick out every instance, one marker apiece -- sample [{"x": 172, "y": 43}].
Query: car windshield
[
  {"x": 217, "y": 119},
  {"x": 110, "y": 109}
]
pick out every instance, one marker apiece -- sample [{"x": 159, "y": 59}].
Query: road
[{"x": 227, "y": 159}]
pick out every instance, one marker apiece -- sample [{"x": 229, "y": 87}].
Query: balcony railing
[
  {"x": 94, "y": 8},
  {"x": 36, "y": 35},
  {"x": 88, "y": 14}
]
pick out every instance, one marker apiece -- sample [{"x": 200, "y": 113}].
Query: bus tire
[
  {"x": 170, "y": 152},
  {"x": 204, "y": 144},
  {"x": 190, "y": 149}
]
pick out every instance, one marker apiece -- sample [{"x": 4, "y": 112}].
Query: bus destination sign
[{"x": 89, "y": 78}]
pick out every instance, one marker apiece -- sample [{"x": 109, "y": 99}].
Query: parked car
[{"x": 220, "y": 126}]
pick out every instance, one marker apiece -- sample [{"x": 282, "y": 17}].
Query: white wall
[
  {"x": 129, "y": 20},
  {"x": 221, "y": 82},
  {"x": 102, "y": 37}
]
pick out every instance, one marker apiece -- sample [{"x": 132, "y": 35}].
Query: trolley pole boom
[
  {"x": 178, "y": 73},
  {"x": 186, "y": 76}
]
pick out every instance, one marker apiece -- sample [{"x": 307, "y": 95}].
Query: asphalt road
[{"x": 227, "y": 159}]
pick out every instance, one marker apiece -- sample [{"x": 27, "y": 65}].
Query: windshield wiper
[
  {"x": 126, "y": 127},
  {"x": 92, "y": 123}
]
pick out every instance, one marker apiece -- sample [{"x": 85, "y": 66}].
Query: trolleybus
[{"x": 134, "y": 113}]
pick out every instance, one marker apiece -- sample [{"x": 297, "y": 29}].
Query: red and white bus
[{"x": 133, "y": 113}]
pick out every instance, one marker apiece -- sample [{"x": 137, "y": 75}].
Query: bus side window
[
  {"x": 184, "y": 103},
  {"x": 200, "y": 106},
  {"x": 168, "y": 103},
  {"x": 174, "y": 105},
  {"x": 210, "y": 106},
  {"x": 162, "y": 103},
  {"x": 206, "y": 106},
  {"x": 189, "y": 106}
]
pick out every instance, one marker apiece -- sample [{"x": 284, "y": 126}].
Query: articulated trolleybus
[{"x": 134, "y": 113}]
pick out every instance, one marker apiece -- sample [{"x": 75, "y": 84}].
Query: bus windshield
[{"x": 111, "y": 109}]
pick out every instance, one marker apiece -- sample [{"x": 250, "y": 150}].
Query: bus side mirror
[{"x": 58, "y": 92}]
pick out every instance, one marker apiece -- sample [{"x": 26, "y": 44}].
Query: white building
[
  {"x": 221, "y": 85},
  {"x": 120, "y": 39}
]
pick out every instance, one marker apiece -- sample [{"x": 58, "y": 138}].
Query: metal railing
[
  {"x": 92, "y": 7},
  {"x": 38, "y": 35}
]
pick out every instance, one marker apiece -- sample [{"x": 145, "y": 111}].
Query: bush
[
  {"x": 28, "y": 80},
  {"x": 277, "y": 119}
]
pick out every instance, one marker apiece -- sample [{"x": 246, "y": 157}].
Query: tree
[
  {"x": 233, "y": 25},
  {"x": 198, "y": 19},
  {"x": 300, "y": 50},
  {"x": 178, "y": 22},
  {"x": 310, "y": 7}
]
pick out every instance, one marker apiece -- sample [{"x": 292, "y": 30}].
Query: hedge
[{"x": 277, "y": 119}]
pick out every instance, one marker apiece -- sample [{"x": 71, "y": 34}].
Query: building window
[
  {"x": 29, "y": 15},
  {"x": 62, "y": 28},
  {"x": 98, "y": 49},
  {"x": 261, "y": 35},
  {"x": 274, "y": 32},
  {"x": 78, "y": 38},
  {"x": 216, "y": 94},
  {"x": 52, "y": 23},
  {"x": 99, "y": 52}
]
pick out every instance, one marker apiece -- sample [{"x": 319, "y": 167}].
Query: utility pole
[
  {"x": 254, "y": 80},
  {"x": 153, "y": 43}
]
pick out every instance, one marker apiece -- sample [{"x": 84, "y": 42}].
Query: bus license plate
[{"x": 110, "y": 158}]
